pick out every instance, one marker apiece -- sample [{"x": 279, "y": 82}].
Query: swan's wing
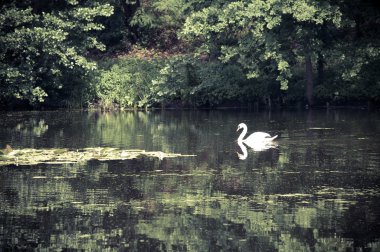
[
  {"x": 257, "y": 136},
  {"x": 263, "y": 134}
]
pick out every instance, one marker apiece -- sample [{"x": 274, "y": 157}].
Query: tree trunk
[
  {"x": 309, "y": 80},
  {"x": 320, "y": 69},
  {"x": 129, "y": 10},
  {"x": 269, "y": 103}
]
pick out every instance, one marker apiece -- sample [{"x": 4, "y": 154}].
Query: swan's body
[{"x": 255, "y": 139}]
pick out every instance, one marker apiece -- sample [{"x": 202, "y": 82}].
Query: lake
[{"x": 316, "y": 189}]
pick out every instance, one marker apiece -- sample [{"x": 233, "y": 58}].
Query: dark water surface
[{"x": 318, "y": 190}]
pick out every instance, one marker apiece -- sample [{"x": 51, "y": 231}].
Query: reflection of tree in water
[
  {"x": 149, "y": 204},
  {"x": 35, "y": 127},
  {"x": 310, "y": 193},
  {"x": 361, "y": 223}
]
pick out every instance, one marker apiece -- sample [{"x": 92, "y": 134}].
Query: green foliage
[
  {"x": 237, "y": 52},
  {"x": 218, "y": 83},
  {"x": 198, "y": 83},
  {"x": 268, "y": 35},
  {"x": 157, "y": 22},
  {"x": 126, "y": 82},
  {"x": 41, "y": 45},
  {"x": 182, "y": 80},
  {"x": 173, "y": 81}
]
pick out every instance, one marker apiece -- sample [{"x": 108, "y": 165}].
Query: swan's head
[{"x": 240, "y": 126}]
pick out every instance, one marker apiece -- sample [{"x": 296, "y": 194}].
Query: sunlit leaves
[
  {"x": 127, "y": 83},
  {"x": 264, "y": 31},
  {"x": 36, "y": 47},
  {"x": 140, "y": 83}
]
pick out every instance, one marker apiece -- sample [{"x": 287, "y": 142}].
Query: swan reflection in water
[{"x": 257, "y": 141}]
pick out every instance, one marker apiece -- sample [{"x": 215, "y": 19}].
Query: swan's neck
[{"x": 240, "y": 139}]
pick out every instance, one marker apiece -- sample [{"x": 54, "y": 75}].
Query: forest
[{"x": 142, "y": 54}]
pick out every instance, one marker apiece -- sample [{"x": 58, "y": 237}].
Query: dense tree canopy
[
  {"x": 44, "y": 43},
  {"x": 194, "y": 52},
  {"x": 275, "y": 37}
]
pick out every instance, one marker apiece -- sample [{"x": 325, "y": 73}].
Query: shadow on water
[{"x": 317, "y": 190}]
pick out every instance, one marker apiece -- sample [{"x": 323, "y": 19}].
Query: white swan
[{"x": 256, "y": 139}]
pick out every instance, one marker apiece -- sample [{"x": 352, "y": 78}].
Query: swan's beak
[{"x": 238, "y": 128}]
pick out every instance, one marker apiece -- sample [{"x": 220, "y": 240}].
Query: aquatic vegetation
[{"x": 62, "y": 156}]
